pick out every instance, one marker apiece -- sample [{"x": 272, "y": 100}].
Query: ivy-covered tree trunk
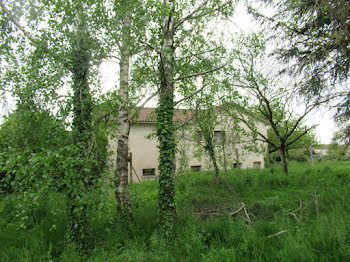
[
  {"x": 211, "y": 151},
  {"x": 224, "y": 156},
  {"x": 206, "y": 120},
  {"x": 121, "y": 176},
  {"x": 165, "y": 125},
  {"x": 77, "y": 181},
  {"x": 283, "y": 160}
]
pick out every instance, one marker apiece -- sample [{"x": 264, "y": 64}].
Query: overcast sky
[{"x": 323, "y": 118}]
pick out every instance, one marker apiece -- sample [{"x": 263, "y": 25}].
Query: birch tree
[
  {"x": 122, "y": 159},
  {"x": 184, "y": 51},
  {"x": 134, "y": 20}
]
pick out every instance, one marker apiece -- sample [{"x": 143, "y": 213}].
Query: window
[
  {"x": 195, "y": 168},
  {"x": 149, "y": 172},
  {"x": 200, "y": 136},
  {"x": 219, "y": 137},
  {"x": 237, "y": 165},
  {"x": 257, "y": 164}
]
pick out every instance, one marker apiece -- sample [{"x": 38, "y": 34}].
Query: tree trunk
[
  {"x": 312, "y": 155},
  {"x": 237, "y": 158},
  {"x": 121, "y": 185},
  {"x": 224, "y": 155},
  {"x": 165, "y": 125},
  {"x": 211, "y": 151},
  {"x": 283, "y": 160},
  {"x": 78, "y": 182}
]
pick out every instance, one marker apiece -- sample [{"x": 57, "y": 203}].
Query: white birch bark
[{"x": 121, "y": 175}]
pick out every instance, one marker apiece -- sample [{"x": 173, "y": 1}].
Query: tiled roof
[{"x": 148, "y": 115}]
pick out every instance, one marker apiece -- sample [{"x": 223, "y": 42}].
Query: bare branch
[
  {"x": 200, "y": 73},
  {"x": 277, "y": 234},
  {"x": 196, "y": 54},
  {"x": 190, "y": 95},
  {"x": 184, "y": 123},
  {"x": 104, "y": 117},
  {"x": 199, "y": 12},
  {"x": 150, "y": 46},
  {"x": 301, "y": 135},
  {"x": 191, "y": 15},
  {"x": 251, "y": 128},
  {"x": 144, "y": 103}
]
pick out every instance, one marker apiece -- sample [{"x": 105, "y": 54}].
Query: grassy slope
[{"x": 310, "y": 207}]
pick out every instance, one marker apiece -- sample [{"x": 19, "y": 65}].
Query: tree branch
[
  {"x": 144, "y": 103},
  {"x": 190, "y": 95},
  {"x": 196, "y": 54},
  {"x": 184, "y": 123},
  {"x": 186, "y": 34},
  {"x": 150, "y": 46},
  {"x": 298, "y": 137},
  {"x": 103, "y": 117},
  {"x": 190, "y": 15},
  {"x": 265, "y": 139},
  {"x": 199, "y": 12},
  {"x": 200, "y": 73},
  {"x": 18, "y": 25}
]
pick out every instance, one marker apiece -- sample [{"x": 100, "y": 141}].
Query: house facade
[{"x": 232, "y": 148}]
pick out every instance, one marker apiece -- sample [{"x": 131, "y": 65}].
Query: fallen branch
[
  {"x": 277, "y": 234},
  {"x": 314, "y": 199},
  {"x": 236, "y": 212},
  {"x": 295, "y": 216},
  {"x": 246, "y": 214}
]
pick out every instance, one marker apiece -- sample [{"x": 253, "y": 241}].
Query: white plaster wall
[
  {"x": 145, "y": 151},
  {"x": 246, "y": 157}
]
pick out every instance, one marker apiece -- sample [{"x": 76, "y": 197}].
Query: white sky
[{"x": 323, "y": 118}]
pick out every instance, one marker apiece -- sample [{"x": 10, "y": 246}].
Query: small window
[
  {"x": 200, "y": 136},
  {"x": 219, "y": 137},
  {"x": 257, "y": 164},
  {"x": 149, "y": 172},
  {"x": 237, "y": 165},
  {"x": 195, "y": 168}
]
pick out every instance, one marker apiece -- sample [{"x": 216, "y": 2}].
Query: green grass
[{"x": 310, "y": 208}]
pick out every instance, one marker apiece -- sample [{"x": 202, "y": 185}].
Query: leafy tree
[
  {"x": 299, "y": 150},
  {"x": 179, "y": 49},
  {"x": 211, "y": 111},
  {"x": 25, "y": 134},
  {"x": 206, "y": 118},
  {"x": 319, "y": 35},
  {"x": 133, "y": 22},
  {"x": 337, "y": 151},
  {"x": 71, "y": 43},
  {"x": 176, "y": 18},
  {"x": 274, "y": 101},
  {"x": 316, "y": 43}
]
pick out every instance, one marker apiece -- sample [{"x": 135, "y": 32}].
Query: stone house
[
  {"x": 321, "y": 151},
  {"x": 234, "y": 150}
]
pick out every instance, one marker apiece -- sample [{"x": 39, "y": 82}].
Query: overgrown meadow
[{"x": 250, "y": 215}]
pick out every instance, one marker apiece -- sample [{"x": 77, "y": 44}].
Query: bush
[{"x": 299, "y": 155}]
